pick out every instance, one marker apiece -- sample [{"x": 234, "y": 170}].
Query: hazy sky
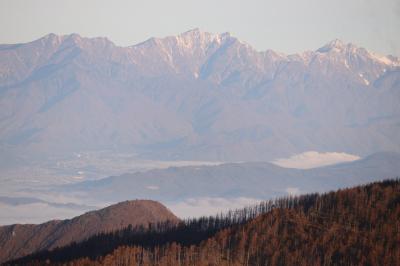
[{"x": 282, "y": 25}]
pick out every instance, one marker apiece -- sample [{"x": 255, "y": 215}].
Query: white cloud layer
[
  {"x": 34, "y": 213},
  {"x": 196, "y": 207},
  {"x": 313, "y": 159}
]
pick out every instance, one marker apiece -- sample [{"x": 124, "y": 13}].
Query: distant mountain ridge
[
  {"x": 22, "y": 239},
  {"x": 198, "y": 96},
  {"x": 257, "y": 180}
]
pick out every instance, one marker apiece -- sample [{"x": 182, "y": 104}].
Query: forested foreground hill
[
  {"x": 357, "y": 226},
  {"x": 19, "y": 240}
]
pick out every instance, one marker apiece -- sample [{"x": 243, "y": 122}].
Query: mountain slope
[
  {"x": 356, "y": 226},
  {"x": 196, "y": 96},
  {"x": 19, "y": 240}
]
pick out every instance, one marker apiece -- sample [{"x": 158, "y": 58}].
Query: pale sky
[{"x": 288, "y": 26}]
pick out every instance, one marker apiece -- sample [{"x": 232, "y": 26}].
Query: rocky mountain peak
[
  {"x": 338, "y": 47},
  {"x": 334, "y": 45}
]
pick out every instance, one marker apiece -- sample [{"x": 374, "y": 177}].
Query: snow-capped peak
[
  {"x": 200, "y": 39},
  {"x": 192, "y": 40},
  {"x": 387, "y": 60},
  {"x": 338, "y": 48},
  {"x": 335, "y": 45}
]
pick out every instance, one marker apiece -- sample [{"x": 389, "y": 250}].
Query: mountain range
[{"x": 195, "y": 96}]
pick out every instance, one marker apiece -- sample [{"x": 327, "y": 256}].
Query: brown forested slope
[
  {"x": 357, "y": 226},
  {"x": 19, "y": 240}
]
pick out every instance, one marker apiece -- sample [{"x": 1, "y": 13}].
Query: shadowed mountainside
[{"x": 22, "y": 239}]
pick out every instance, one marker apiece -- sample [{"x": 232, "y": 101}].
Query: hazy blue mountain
[
  {"x": 16, "y": 201},
  {"x": 254, "y": 180},
  {"x": 197, "y": 96}
]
